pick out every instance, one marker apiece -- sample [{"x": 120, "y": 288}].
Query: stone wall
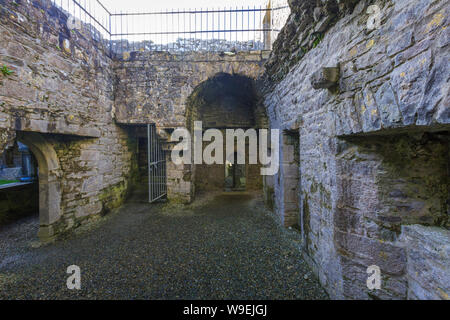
[
  {"x": 392, "y": 93},
  {"x": 47, "y": 91},
  {"x": 154, "y": 86},
  {"x": 56, "y": 96},
  {"x": 427, "y": 253}
]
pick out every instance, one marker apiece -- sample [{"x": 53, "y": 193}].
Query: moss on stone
[
  {"x": 269, "y": 197},
  {"x": 113, "y": 196}
]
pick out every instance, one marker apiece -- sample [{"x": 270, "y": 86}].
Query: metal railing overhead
[{"x": 177, "y": 31}]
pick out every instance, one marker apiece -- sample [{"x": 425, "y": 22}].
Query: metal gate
[{"x": 157, "y": 178}]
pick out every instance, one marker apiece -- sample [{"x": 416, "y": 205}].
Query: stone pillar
[
  {"x": 179, "y": 178},
  {"x": 49, "y": 183}
]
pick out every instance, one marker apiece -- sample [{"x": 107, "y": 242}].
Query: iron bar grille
[
  {"x": 157, "y": 178},
  {"x": 177, "y": 31}
]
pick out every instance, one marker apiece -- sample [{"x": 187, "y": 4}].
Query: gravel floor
[{"x": 227, "y": 248}]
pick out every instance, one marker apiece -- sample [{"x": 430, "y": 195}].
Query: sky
[{"x": 142, "y": 5}]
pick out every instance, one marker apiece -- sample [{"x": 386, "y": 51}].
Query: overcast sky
[
  {"x": 164, "y": 29},
  {"x": 142, "y": 5}
]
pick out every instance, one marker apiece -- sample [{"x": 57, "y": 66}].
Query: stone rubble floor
[{"x": 223, "y": 247}]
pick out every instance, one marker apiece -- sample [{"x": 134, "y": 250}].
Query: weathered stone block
[
  {"x": 428, "y": 267},
  {"x": 325, "y": 78},
  {"x": 391, "y": 259},
  {"x": 389, "y": 111}
]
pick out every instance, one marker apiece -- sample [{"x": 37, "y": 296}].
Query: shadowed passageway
[{"x": 222, "y": 247}]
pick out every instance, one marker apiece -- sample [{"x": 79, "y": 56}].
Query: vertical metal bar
[
  {"x": 254, "y": 26},
  {"x": 224, "y": 26},
  {"x": 261, "y": 33},
  {"x": 148, "y": 164},
  {"x": 167, "y": 29},
  {"x": 144, "y": 30},
  {"x": 231, "y": 25},
  {"x": 271, "y": 12},
  {"x": 184, "y": 32},
  {"x": 90, "y": 17},
  {"x": 190, "y": 28},
  {"x": 128, "y": 32},
  {"x": 160, "y": 28},
  {"x": 243, "y": 25},
  {"x": 159, "y": 169},
  {"x": 110, "y": 37},
  {"x": 155, "y": 159},
  {"x": 151, "y": 161},
  {"x": 178, "y": 26},
  {"x": 165, "y": 173},
  {"x": 157, "y": 164},
  {"x": 132, "y": 38},
  {"x": 154, "y": 156},
  {"x": 195, "y": 29},
  {"x": 155, "y": 167},
  {"x": 154, "y": 37},
  {"x": 154, "y": 186},
  {"x": 236, "y": 35}
]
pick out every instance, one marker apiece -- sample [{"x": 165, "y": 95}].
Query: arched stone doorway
[
  {"x": 49, "y": 183},
  {"x": 225, "y": 101}
]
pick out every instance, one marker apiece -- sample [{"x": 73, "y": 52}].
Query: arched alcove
[{"x": 224, "y": 101}]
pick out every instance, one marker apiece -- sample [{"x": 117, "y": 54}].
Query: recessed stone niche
[
  {"x": 387, "y": 183},
  {"x": 409, "y": 174}
]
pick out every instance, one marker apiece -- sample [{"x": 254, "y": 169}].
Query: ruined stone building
[{"x": 360, "y": 97}]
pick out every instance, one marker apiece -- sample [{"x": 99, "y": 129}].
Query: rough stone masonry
[
  {"x": 371, "y": 113},
  {"x": 365, "y": 151},
  {"x": 59, "y": 101}
]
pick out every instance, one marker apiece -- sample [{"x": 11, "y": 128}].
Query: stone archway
[
  {"x": 49, "y": 182},
  {"x": 224, "y": 101}
]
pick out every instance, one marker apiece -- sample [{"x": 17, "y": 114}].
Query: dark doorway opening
[
  {"x": 150, "y": 184},
  {"x": 235, "y": 176},
  {"x": 19, "y": 187},
  {"x": 225, "y": 102}
]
